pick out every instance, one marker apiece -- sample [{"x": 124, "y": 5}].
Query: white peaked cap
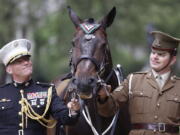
[{"x": 14, "y": 50}]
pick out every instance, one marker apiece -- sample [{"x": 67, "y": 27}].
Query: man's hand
[
  {"x": 104, "y": 92},
  {"x": 74, "y": 105}
]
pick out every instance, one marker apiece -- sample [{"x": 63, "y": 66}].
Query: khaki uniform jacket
[{"x": 147, "y": 102}]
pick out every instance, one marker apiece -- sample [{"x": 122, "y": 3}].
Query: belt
[{"x": 160, "y": 127}]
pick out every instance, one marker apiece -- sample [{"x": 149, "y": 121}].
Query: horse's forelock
[{"x": 89, "y": 20}]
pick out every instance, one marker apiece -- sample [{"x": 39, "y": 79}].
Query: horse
[{"x": 91, "y": 68}]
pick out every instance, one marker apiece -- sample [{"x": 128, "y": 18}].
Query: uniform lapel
[
  {"x": 151, "y": 80},
  {"x": 170, "y": 83}
]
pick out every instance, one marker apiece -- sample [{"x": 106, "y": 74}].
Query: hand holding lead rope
[
  {"x": 73, "y": 105},
  {"x": 104, "y": 92}
]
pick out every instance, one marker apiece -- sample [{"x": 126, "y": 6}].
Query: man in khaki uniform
[{"x": 153, "y": 96}]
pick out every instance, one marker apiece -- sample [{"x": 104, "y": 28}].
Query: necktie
[{"x": 160, "y": 81}]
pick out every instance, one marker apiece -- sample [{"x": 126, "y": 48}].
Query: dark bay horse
[{"x": 91, "y": 68}]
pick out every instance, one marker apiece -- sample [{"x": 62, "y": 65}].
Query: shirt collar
[{"x": 164, "y": 76}]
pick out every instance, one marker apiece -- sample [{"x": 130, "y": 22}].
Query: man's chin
[
  {"x": 28, "y": 73},
  {"x": 155, "y": 68}
]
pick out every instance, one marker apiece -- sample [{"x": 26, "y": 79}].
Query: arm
[{"x": 109, "y": 104}]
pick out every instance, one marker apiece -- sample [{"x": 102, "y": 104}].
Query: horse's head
[{"x": 91, "y": 60}]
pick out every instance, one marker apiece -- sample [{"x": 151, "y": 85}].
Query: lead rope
[
  {"x": 118, "y": 73},
  {"x": 29, "y": 112},
  {"x": 88, "y": 120}
]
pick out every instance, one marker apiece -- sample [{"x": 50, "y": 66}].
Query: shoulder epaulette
[
  {"x": 3, "y": 85},
  {"x": 45, "y": 84},
  {"x": 141, "y": 72}
]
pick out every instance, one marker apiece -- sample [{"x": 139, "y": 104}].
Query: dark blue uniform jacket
[{"x": 36, "y": 94}]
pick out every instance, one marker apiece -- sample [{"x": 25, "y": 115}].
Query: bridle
[{"x": 89, "y": 30}]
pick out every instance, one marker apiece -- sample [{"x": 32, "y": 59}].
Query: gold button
[
  {"x": 20, "y": 124},
  {"x": 2, "y": 107},
  {"x": 141, "y": 93},
  {"x": 21, "y": 91},
  {"x": 154, "y": 130},
  {"x": 38, "y": 106},
  {"x": 158, "y": 105},
  {"x": 20, "y": 113},
  {"x": 155, "y": 117}
]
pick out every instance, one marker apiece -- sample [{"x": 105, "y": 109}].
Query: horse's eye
[{"x": 74, "y": 81}]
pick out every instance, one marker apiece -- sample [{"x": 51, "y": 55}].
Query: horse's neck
[
  {"x": 90, "y": 106},
  {"x": 61, "y": 88}
]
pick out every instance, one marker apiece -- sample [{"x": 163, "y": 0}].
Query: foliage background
[{"x": 46, "y": 23}]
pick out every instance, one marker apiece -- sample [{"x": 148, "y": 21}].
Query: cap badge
[{"x": 157, "y": 43}]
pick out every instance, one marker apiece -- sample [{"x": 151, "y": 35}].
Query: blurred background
[{"x": 47, "y": 24}]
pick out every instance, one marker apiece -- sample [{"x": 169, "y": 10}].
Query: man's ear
[
  {"x": 8, "y": 69},
  {"x": 173, "y": 61}
]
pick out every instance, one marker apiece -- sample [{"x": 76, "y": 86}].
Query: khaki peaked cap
[{"x": 163, "y": 41}]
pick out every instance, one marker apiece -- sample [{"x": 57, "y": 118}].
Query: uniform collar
[
  {"x": 164, "y": 76},
  {"x": 152, "y": 81},
  {"x": 24, "y": 84}
]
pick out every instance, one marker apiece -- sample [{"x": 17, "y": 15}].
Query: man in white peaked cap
[{"x": 25, "y": 105}]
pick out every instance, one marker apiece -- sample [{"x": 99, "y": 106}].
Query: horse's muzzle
[{"x": 85, "y": 86}]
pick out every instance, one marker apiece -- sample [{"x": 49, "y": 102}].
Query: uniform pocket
[
  {"x": 173, "y": 102},
  {"x": 140, "y": 102},
  {"x": 6, "y": 109},
  {"x": 6, "y": 105},
  {"x": 38, "y": 105}
]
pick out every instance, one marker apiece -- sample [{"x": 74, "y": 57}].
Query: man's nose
[{"x": 156, "y": 55}]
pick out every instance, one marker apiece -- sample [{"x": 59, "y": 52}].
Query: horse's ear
[
  {"x": 74, "y": 18},
  {"x": 109, "y": 18}
]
